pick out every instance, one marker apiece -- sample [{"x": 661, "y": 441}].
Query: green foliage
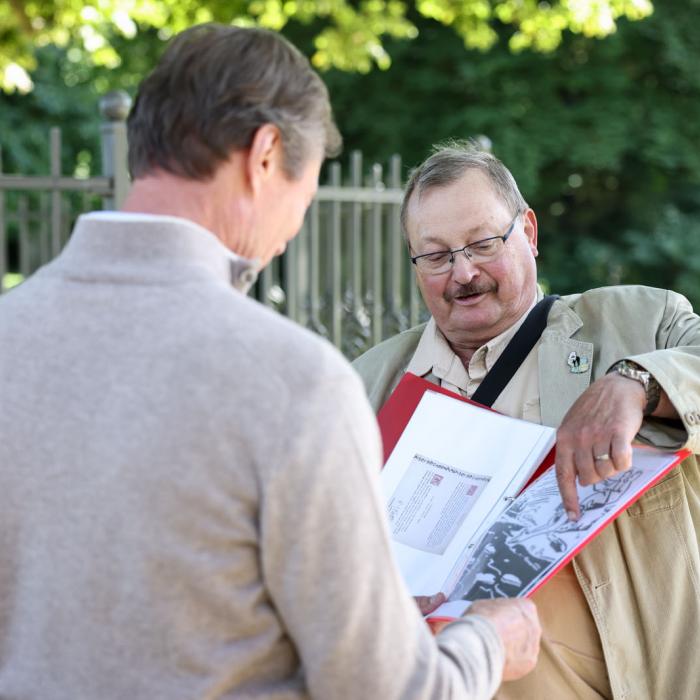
[
  {"x": 602, "y": 137},
  {"x": 349, "y": 33},
  {"x": 66, "y": 93}
]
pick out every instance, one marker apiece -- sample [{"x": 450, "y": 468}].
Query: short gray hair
[
  {"x": 213, "y": 88},
  {"x": 448, "y": 162}
]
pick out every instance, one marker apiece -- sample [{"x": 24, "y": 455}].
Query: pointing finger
[{"x": 566, "y": 480}]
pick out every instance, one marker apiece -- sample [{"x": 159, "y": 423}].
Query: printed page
[
  {"x": 455, "y": 467},
  {"x": 431, "y": 502},
  {"x": 534, "y": 537}
]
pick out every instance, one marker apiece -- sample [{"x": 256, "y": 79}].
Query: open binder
[{"x": 473, "y": 504}]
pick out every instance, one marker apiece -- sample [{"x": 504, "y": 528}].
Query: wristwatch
[{"x": 652, "y": 389}]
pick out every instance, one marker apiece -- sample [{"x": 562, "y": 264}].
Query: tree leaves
[
  {"x": 601, "y": 136},
  {"x": 351, "y": 35}
]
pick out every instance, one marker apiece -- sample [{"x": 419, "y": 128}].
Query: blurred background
[{"x": 593, "y": 105}]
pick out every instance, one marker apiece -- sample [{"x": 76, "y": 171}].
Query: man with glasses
[{"x": 612, "y": 364}]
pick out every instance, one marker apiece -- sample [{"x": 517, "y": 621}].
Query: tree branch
[{"x": 21, "y": 13}]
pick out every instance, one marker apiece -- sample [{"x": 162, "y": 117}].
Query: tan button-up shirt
[{"x": 520, "y": 398}]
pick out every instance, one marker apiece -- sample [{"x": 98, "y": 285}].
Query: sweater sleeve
[{"x": 331, "y": 574}]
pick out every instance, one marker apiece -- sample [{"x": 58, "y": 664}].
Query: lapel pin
[{"x": 578, "y": 364}]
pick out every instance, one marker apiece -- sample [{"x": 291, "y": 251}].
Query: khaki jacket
[{"x": 640, "y": 576}]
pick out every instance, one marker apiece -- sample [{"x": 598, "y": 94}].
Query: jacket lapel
[{"x": 562, "y": 380}]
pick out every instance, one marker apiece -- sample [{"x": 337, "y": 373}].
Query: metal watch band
[{"x": 652, "y": 389}]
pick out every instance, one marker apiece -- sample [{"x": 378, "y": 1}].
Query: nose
[{"x": 463, "y": 269}]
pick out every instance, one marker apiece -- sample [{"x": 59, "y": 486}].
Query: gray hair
[
  {"x": 213, "y": 88},
  {"x": 448, "y": 162}
]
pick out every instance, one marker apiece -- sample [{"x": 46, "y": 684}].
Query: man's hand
[
  {"x": 594, "y": 441},
  {"x": 427, "y": 603},
  {"x": 516, "y": 622}
]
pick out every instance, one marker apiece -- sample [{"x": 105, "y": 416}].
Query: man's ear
[
  {"x": 265, "y": 156},
  {"x": 530, "y": 228}
]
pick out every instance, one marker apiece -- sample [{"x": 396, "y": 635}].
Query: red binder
[{"x": 399, "y": 407}]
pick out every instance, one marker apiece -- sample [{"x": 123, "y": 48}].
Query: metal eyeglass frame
[{"x": 465, "y": 249}]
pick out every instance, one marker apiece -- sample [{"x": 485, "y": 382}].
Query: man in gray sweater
[{"x": 189, "y": 481}]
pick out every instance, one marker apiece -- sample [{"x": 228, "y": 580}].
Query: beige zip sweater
[{"x": 189, "y": 494}]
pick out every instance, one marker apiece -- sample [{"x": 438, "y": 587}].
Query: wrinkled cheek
[
  {"x": 431, "y": 286},
  {"x": 433, "y": 296}
]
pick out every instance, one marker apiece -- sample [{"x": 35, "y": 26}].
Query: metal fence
[{"x": 346, "y": 276}]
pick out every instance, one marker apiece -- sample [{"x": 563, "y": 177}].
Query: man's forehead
[{"x": 468, "y": 206}]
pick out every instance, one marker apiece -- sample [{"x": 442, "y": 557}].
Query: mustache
[{"x": 466, "y": 290}]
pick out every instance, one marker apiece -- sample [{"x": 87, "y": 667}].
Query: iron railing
[{"x": 346, "y": 276}]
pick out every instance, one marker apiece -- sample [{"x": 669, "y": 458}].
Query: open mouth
[{"x": 468, "y": 299}]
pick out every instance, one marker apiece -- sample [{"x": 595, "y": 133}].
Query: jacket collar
[
  {"x": 434, "y": 354},
  {"x": 560, "y": 382}
]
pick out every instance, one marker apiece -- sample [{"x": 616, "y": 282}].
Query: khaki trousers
[{"x": 571, "y": 663}]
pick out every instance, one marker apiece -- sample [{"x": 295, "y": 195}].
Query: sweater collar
[{"x": 145, "y": 248}]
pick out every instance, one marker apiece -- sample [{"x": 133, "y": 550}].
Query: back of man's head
[
  {"x": 213, "y": 88},
  {"x": 448, "y": 162}
]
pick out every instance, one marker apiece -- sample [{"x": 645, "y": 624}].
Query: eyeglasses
[{"x": 485, "y": 250}]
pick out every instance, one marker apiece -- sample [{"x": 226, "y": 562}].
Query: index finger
[{"x": 566, "y": 480}]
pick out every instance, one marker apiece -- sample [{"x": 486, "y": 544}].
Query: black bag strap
[{"x": 515, "y": 352}]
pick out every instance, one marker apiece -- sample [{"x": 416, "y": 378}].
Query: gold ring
[{"x": 601, "y": 458}]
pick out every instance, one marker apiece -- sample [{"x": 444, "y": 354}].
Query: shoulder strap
[{"x": 515, "y": 352}]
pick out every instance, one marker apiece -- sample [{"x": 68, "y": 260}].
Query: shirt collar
[{"x": 434, "y": 354}]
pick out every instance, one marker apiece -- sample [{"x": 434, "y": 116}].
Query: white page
[
  {"x": 452, "y": 608},
  {"x": 453, "y": 469},
  {"x": 534, "y": 535}
]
